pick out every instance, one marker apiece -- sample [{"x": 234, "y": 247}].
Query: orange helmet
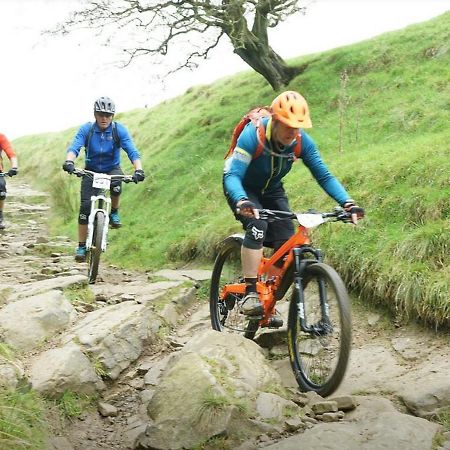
[{"x": 291, "y": 109}]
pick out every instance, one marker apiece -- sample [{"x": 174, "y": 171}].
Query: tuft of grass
[
  {"x": 99, "y": 367},
  {"x": 6, "y": 351},
  {"x": 212, "y": 403},
  {"x": 71, "y": 405},
  {"x": 22, "y": 424},
  {"x": 79, "y": 293},
  {"x": 443, "y": 418}
]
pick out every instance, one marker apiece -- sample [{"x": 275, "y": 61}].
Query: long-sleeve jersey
[
  {"x": 5, "y": 146},
  {"x": 103, "y": 153},
  {"x": 265, "y": 173}
]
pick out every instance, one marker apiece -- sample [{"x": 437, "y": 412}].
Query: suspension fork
[{"x": 300, "y": 265}]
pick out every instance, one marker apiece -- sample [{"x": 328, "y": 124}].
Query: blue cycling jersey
[
  {"x": 265, "y": 173},
  {"x": 103, "y": 155}
]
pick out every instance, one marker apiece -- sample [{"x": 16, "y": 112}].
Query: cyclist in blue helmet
[{"x": 102, "y": 141}]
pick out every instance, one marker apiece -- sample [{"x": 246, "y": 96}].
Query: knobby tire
[
  {"x": 227, "y": 269},
  {"x": 310, "y": 353},
  {"x": 96, "y": 248}
]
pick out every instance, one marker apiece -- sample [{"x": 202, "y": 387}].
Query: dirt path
[{"x": 386, "y": 361}]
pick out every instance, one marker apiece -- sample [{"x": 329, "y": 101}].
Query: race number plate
[
  {"x": 310, "y": 220},
  {"x": 101, "y": 181}
]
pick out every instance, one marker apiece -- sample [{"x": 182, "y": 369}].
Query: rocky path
[{"x": 141, "y": 345}]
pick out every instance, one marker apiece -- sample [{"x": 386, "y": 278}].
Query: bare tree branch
[{"x": 155, "y": 27}]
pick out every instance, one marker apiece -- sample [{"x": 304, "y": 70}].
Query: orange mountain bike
[{"x": 319, "y": 321}]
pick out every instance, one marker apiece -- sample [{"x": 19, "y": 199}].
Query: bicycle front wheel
[
  {"x": 319, "y": 355},
  {"x": 225, "y": 312},
  {"x": 96, "y": 248}
]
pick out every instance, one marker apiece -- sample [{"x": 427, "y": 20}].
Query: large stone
[
  {"x": 25, "y": 323},
  {"x": 382, "y": 428},
  {"x": 115, "y": 335},
  {"x": 142, "y": 291},
  {"x": 184, "y": 275},
  {"x": 204, "y": 390},
  {"x": 10, "y": 373},
  {"x": 429, "y": 400},
  {"x": 38, "y": 287},
  {"x": 65, "y": 368},
  {"x": 370, "y": 368},
  {"x": 272, "y": 406}
]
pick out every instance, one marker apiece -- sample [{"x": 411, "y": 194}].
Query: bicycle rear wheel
[
  {"x": 225, "y": 312},
  {"x": 319, "y": 357},
  {"x": 96, "y": 248}
]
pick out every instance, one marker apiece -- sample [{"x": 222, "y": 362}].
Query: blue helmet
[{"x": 104, "y": 104}]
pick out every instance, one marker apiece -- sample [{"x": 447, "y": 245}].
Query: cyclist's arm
[
  {"x": 128, "y": 145},
  {"x": 237, "y": 164},
  {"x": 6, "y": 146},
  {"x": 78, "y": 142},
  {"x": 327, "y": 181}
]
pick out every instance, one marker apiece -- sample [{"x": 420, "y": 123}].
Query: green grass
[
  {"x": 393, "y": 161},
  {"x": 79, "y": 293},
  {"x": 72, "y": 405},
  {"x": 22, "y": 424}
]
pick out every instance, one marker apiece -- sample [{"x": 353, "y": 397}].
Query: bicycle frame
[{"x": 271, "y": 276}]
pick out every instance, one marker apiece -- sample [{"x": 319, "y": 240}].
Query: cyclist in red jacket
[{"x": 5, "y": 146}]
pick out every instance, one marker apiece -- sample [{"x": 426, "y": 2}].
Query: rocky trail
[{"x": 141, "y": 345}]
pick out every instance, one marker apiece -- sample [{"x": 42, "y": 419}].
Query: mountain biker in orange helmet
[
  {"x": 254, "y": 182},
  {"x": 6, "y": 147}
]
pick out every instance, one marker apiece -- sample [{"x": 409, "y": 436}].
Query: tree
[{"x": 154, "y": 27}]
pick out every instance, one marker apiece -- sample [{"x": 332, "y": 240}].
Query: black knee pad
[
  {"x": 85, "y": 209},
  {"x": 255, "y": 233},
  {"x": 2, "y": 188},
  {"x": 116, "y": 189}
]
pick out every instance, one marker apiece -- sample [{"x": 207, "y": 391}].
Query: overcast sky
[{"x": 49, "y": 83}]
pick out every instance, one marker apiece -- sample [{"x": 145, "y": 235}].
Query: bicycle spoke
[
  {"x": 225, "y": 312},
  {"x": 319, "y": 355}
]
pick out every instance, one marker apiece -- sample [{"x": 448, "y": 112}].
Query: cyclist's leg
[
  {"x": 2, "y": 200},
  {"x": 116, "y": 190},
  {"x": 280, "y": 231},
  {"x": 251, "y": 254},
  {"x": 85, "y": 206}
]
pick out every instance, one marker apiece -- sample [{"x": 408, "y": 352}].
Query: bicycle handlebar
[
  {"x": 338, "y": 214},
  {"x": 88, "y": 173},
  {"x": 4, "y": 174}
]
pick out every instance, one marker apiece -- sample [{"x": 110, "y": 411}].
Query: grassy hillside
[{"x": 380, "y": 111}]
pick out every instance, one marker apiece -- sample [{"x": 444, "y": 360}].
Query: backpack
[
  {"x": 255, "y": 115},
  {"x": 115, "y": 136}
]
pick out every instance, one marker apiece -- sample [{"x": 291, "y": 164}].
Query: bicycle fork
[
  {"x": 99, "y": 203},
  {"x": 323, "y": 326}
]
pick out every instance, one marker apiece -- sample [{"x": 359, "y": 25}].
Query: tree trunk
[
  {"x": 260, "y": 57},
  {"x": 270, "y": 65}
]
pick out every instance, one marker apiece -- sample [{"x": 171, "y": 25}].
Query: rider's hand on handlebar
[
  {"x": 13, "y": 171},
  {"x": 69, "y": 166},
  {"x": 247, "y": 208},
  {"x": 356, "y": 211},
  {"x": 138, "y": 175}
]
